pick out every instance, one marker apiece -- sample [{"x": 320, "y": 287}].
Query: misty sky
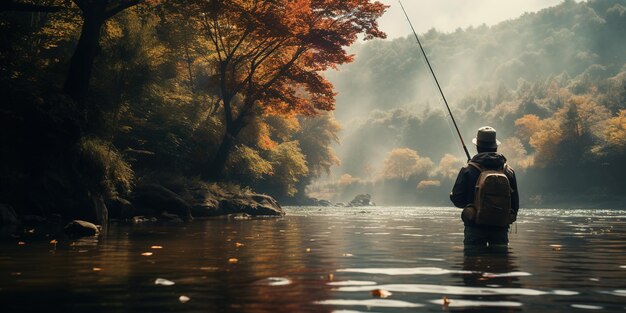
[{"x": 447, "y": 15}]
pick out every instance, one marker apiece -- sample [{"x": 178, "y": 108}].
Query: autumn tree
[{"x": 269, "y": 55}]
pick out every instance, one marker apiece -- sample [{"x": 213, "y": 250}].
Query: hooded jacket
[{"x": 462, "y": 193}]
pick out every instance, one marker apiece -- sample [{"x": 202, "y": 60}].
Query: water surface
[{"x": 325, "y": 260}]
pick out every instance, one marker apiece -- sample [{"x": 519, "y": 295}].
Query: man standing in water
[{"x": 486, "y": 189}]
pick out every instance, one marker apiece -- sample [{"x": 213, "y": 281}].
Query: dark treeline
[
  {"x": 553, "y": 83},
  {"x": 100, "y": 96}
]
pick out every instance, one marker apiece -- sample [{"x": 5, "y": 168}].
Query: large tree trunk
[
  {"x": 216, "y": 169},
  {"x": 233, "y": 128},
  {"x": 81, "y": 64}
]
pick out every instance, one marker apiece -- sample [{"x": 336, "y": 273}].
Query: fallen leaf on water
[
  {"x": 183, "y": 299},
  {"x": 239, "y": 244},
  {"x": 156, "y": 247},
  {"x": 446, "y": 301},
  {"x": 380, "y": 293},
  {"x": 21, "y": 243},
  {"x": 556, "y": 249},
  {"x": 53, "y": 241},
  {"x": 348, "y": 254},
  {"x": 16, "y": 273},
  {"x": 96, "y": 269},
  {"x": 308, "y": 249},
  {"x": 147, "y": 253},
  {"x": 233, "y": 260},
  {"x": 163, "y": 282},
  {"x": 331, "y": 276},
  {"x": 209, "y": 268}
]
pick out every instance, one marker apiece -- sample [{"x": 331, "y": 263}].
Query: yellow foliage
[
  {"x": 449, "y": 166},
  {"x": 289, "y": 166},
  {"x": 245, "y": 161},
  {"x": 615, "y": 133},
  {"x": 347, "y": 179},
  {"x": 527, "y": 125},
  {"x": 404, "y": 163},
  {"x": 428, "y": 183},
  {"x": 578, "y": 123}
]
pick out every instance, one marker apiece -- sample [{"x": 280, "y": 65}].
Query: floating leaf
[
  {"x": 53, "y": 242},
  {"x": 331, "y": 276},
  {"x": 308, "y": 249},
  {"x": 233, "y": 260},
  {"x": 147, "y": 253},
  {"x": 96, "y": 269},
  {"x": 446, "y": 301},
  {"x": 239, "y": 245},
  {"x": 380, "y": 293},
  {"x": 163, "y": 282},
  {"x": 21, "y": 243},
  {"x": 156, "y": 247},
  {"x": 183, "y": 299}
]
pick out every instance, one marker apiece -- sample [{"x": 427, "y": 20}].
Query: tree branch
[
  {"x": 120, "y": 7},
  {"x": 27, "y": 7}
]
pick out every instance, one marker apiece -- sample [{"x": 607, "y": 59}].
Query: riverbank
[{"x": 175, "y": 201}]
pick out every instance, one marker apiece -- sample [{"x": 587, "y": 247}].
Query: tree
[
  {"x": 94, "y": 13},
  {"x": 269, "y": 56}
]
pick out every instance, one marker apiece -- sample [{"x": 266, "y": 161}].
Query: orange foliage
[
  {"x": 527, "y": 125},
  {"x": 616, "y": 131},
  {"x": 569, "y": 133},
  {"x": 273, "y": 52}
]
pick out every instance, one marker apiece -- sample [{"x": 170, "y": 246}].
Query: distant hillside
[{"x": 553, "y": 83}]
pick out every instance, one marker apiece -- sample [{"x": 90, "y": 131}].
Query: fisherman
[{"x": 486, "y": 189}]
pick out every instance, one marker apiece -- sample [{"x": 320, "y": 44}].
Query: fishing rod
[{"x": 436, "y": 81}]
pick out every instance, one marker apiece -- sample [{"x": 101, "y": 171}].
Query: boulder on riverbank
[
  {"x": 362, "y": 200},
  {"x": 197, "y": 199},
  {"x": 154, "y": 200},
  {"x": 209, "y": 200},
  {"x": 78, "y": 228}
]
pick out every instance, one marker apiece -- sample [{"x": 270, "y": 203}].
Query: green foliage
[
  {"x": 103, "y": 168},
  {"x": 289, "y": 167},
  {"x": 246, "y": 164}
]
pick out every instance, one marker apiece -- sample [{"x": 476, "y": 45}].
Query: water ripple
[{"x": 458, "y": 290}]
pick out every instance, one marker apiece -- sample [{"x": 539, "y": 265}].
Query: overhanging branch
[{"x": 7, "y": 5}]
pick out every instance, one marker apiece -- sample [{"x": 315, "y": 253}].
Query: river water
[{"x": 325, "y": 260}]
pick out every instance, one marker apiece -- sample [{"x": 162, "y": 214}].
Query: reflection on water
[{"x": 325, "y": 260}]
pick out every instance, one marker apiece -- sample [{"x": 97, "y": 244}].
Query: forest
[
  {"x": 100, "y": 97},
  {"x": 300, "y": 100},
  {"x": 552, "y": 83}
]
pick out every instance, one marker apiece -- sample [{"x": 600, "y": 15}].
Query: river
[{"x": 324, "y": 260}]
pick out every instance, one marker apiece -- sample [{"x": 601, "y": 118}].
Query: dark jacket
[{"x": 463, "y": 191}]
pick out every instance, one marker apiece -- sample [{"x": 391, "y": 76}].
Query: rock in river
[{"x": 80, "y": 228}]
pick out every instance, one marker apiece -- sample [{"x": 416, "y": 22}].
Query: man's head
[{"x": 485, "y": 140}]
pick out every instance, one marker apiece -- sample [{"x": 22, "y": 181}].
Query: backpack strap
[{"x": 476, "y": 166}]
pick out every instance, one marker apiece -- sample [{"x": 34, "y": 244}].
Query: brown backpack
[{"x": 492, "y": 197}]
